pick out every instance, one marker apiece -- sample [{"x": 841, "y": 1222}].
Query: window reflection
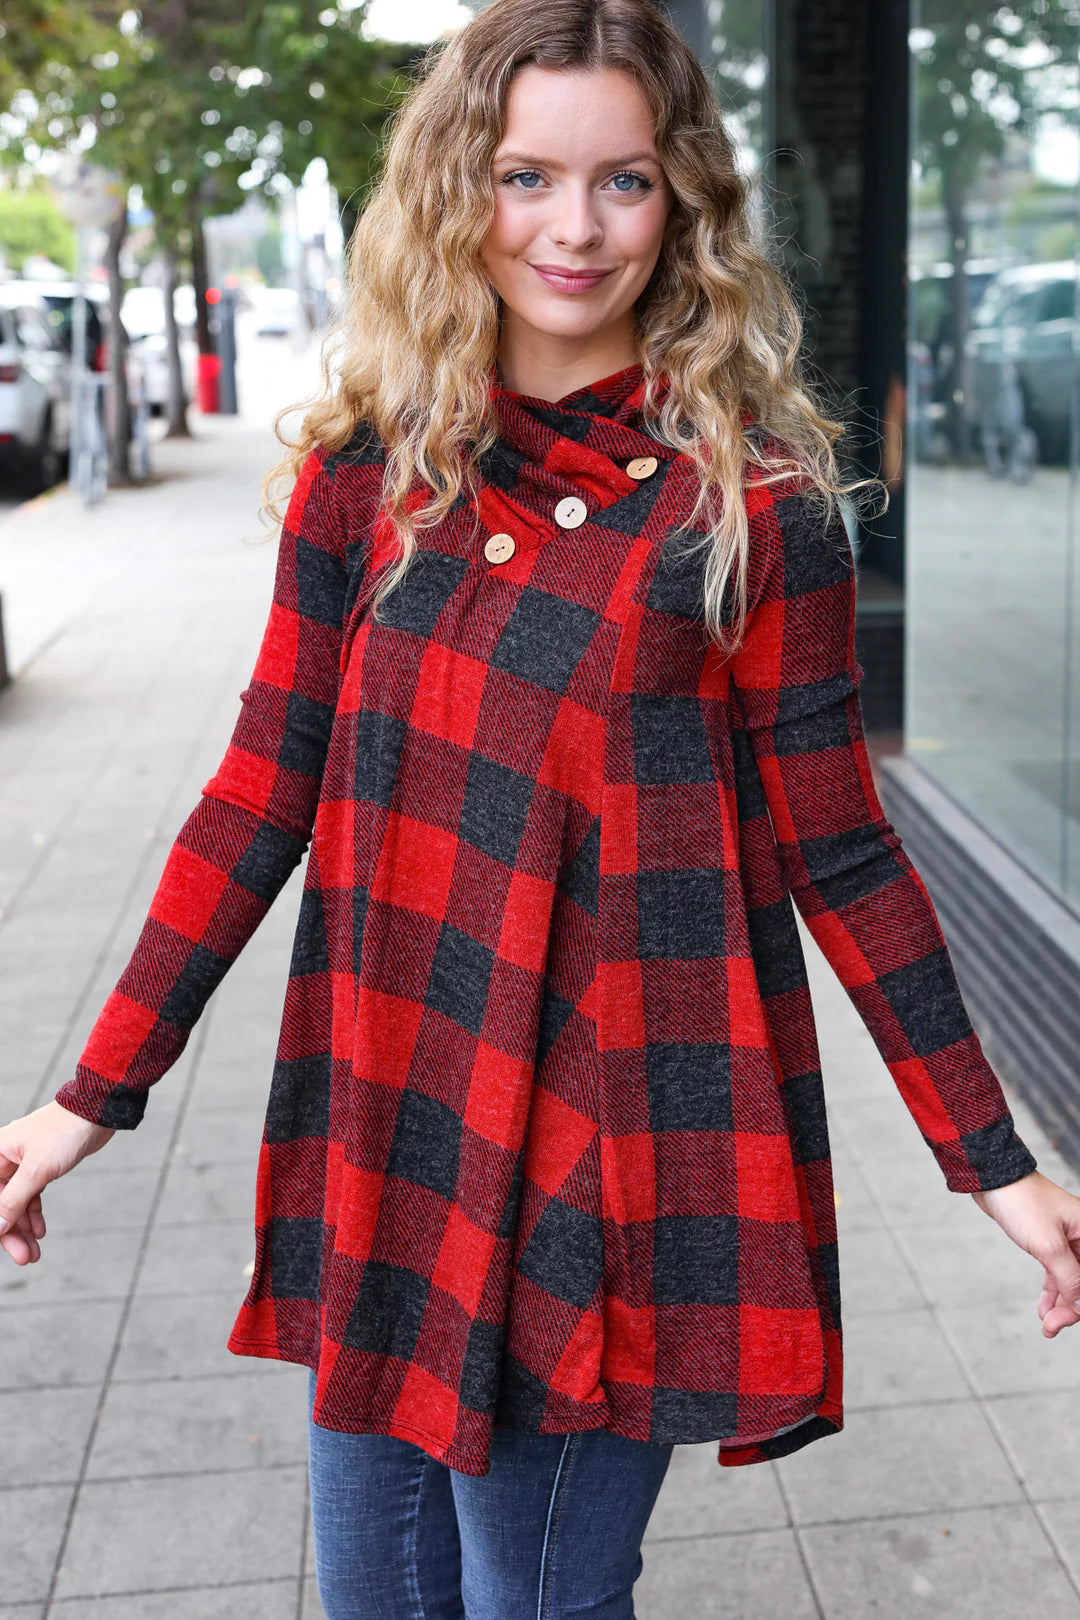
[{"x": 993, "y": 688}]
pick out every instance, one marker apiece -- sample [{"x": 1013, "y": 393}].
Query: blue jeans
[{"x": 552, "y": 1531}]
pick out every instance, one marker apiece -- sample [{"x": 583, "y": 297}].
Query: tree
[
  {"x": 30, "y": 222},
  {"x": 326, "y": 92},
  {"x": 197, "y": 104},
  {"x": 150, "y": 107},
  {"x": 37, "y": 36}
]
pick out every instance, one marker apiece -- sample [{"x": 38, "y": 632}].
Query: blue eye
[
  {"x": 632, "y": 174},
  {"x": 644, "y": 184}
]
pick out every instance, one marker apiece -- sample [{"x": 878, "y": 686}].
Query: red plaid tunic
[{"x": 546, "y": 1141}]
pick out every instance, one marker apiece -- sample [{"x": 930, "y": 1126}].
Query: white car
[
  {"x": 143, "y": 315},
  {"x": 277, "y": 310},
  {"x": 35, "y": 388}
]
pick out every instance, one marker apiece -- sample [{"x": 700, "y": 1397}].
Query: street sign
[{"x": 86, "y": 193}]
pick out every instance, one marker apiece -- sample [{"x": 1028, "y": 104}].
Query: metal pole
[
  {"x": 227, "y": 350},
  {"x": 78, "y": 355}
]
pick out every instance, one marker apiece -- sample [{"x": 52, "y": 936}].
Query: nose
[{"x": 576, "y": 224}]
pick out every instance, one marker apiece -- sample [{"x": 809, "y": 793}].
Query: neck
[{"x": 547, "y": 366}]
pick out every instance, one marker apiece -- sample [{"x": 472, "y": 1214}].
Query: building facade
[{"x": 920, "y": 161}]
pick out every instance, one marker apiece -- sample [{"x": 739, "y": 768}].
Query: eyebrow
[{"x": 551, "y": 163}]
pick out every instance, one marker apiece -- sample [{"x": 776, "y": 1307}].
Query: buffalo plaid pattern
[{"x": 546, "y": 1142}]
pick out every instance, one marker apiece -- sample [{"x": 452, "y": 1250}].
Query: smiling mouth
[{"x": 570, "y": 281}]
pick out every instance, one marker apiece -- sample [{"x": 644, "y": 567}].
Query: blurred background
[{"x": 177, "y": 187}]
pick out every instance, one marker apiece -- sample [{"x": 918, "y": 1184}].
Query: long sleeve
[
  {"x": 252, "y": 824},
  {"x": 795, "y": 681}
]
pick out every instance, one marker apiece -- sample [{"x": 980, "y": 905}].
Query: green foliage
[
  {"x": 983, "y": 69},
  {"x": 39, "y": 36},
  {"x": 30, "y": 223},
  {"x": 198, "y": 104},
  {"x": 327, "y": 91}
]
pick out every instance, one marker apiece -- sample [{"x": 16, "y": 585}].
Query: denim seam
[
  {"x": 414, "y": 1572},
  {"x": 551, "y": 1529}
]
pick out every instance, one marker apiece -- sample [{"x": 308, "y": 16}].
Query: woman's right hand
[{"x": 35, "y": 1149}]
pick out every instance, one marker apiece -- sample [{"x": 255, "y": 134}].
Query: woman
[{"x": 559, "y": 679}]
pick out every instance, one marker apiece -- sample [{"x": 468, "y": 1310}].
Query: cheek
[
  {"x": 508, "y": 232},
  {"x": 640, "y": 231}
]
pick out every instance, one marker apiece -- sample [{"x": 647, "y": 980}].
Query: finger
[
  {"x": 1060, "y": 1315},
  {"x": 24, "y": 1229},
  {"x": 16, "y": 1196},
  {"x": 23, "y": 1224},
  {"x": 1063, "y": 1266},
  {"x": 17, "y": 1247}
]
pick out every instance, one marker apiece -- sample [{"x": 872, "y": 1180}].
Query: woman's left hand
[{"x": 1044, "y": 1219}]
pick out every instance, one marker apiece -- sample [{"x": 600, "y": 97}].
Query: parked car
[
  {"x": 35, "y": 388},
  {"x": 59, "y": 298},
  {"x": 143, "y": 313},
  {"x": 1020, "y": 361},
  {"x": 36, "y": 336},
  {"x": 932, "y": 345},
  {"x": 276, "y": 310}
]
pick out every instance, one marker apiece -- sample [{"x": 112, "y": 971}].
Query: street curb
[{"x": 36, "y": 500}]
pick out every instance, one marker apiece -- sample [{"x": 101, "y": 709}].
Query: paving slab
[
  {"x": 1040, "y": 1432},
  {"x": 156, "y": 1533},
  {"x": 760, "y": 1573},
  {"x": 32, "y": 1520},
  {"x": 963, "y": 1565},
  {"x": 183, "y": 1336},
  {"x": 56, "y": 1344},
  {"x": 182, "y": 1425},
  {"x": 239, "y": 1600}
]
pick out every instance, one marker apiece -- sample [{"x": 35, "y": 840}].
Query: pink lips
[{"x": 568, "y": 281}]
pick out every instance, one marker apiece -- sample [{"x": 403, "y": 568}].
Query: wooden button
[
  {"x": 499, "y": 548},
  {"x": 642, "y": 466},
  {"x": 570, "y": 512}
]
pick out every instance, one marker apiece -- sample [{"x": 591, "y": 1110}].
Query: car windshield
[
  {"x": 61, "y": 314},
  {"x": 1022, "y": 304},
  {"x": 993, "y": 303}
]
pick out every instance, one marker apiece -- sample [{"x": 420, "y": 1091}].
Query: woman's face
[{"x": 578, "y": 188}]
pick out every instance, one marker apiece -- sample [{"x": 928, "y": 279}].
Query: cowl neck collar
[
  {"x": 602, "y": 417},
  {"x": 617, "y": 396},
  {"x": 578, "y": 445}
]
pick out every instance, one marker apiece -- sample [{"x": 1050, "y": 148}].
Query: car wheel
[{"x": 46, "y": 463}]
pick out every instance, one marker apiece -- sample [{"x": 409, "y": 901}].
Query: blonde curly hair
[{"x": 410, "y": 352}]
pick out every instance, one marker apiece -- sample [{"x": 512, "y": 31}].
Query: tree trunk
[
  {"x": 120, "y": 415},
  {"x": 954, "y": 201},
  {"x": 200, "y": 277},
  {"x": 176, "y": 406}
]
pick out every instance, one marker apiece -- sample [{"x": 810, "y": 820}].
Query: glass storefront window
[
  {"x": 730, "y": 38},
  {"x": 993, "y": 663}
]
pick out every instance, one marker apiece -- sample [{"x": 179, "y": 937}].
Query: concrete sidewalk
[{"x": 148, "y": 1474}]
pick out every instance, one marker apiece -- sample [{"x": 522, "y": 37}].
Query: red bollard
[{"x": 206, "y": 382}]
